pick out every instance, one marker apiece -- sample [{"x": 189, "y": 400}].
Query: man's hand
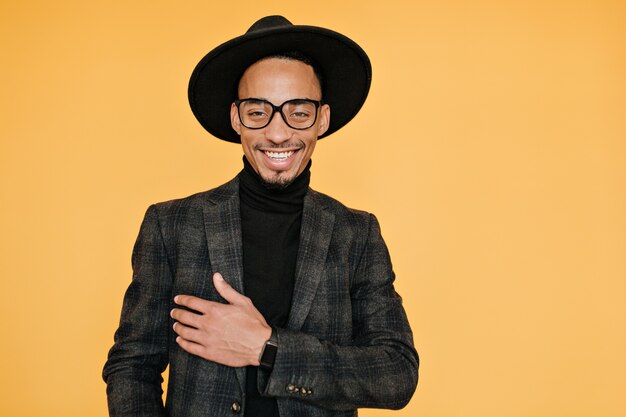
[{"x": 231, "y": 334}]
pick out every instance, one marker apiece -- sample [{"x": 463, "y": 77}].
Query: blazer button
[
  {"x": 291, "y": 388},
  {"x": 235, "y": 408}
]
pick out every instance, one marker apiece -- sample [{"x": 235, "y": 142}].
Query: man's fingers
[
  {"x": 226, "y": 291},
  {"x": 187, "y": 333},
  {"x": 194, "y": 303},
  {"x": 186, "y": 317},
  {"x": 191, "y": 347}
]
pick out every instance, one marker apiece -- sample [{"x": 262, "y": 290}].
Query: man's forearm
[
  {"x": 134, "y": 392},
  {"x": 343, "y": 377},
  {"x": 140, "y": 353}
]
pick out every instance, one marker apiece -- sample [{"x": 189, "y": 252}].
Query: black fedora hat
[{"x": 346, "y": 70}]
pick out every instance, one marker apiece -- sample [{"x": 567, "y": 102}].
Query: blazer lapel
[
  {"x": 222, "y": 224},
  {"x": 315, "y": 233}
]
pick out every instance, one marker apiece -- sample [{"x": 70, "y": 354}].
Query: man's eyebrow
[
  {"x": 255, "y": 99},
  {"x": 303, "y": 99}
]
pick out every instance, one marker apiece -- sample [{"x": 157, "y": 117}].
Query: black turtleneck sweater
[{"x": 270, "y": 224}]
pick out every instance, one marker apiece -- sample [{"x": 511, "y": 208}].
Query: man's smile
[
  {"x": 279, "y": 156},
  {"x": 280, "y": 159}
]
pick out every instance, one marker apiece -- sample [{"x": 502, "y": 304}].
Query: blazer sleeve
[
  {"x": 140, "y": 352},
  {"x": 378, "y": 370}
]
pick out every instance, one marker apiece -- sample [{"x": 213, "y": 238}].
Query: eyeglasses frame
[{"x": 279, "y": 109}]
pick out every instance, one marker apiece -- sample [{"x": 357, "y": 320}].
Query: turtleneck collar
[{"x": 254, "y": 193}]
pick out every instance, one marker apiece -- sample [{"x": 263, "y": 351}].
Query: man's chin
[{"x": 278, "y": 182}]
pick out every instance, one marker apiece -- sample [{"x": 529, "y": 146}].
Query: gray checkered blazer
[{"x": 347, "y": 343}]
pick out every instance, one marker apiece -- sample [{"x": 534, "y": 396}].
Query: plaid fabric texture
[{"x": 347, "y": 344}]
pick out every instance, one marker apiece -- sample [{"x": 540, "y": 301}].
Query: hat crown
[{"x": 269, "y": 22}]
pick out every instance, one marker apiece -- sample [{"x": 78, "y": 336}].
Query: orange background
[{"x": 492, "y": 149}]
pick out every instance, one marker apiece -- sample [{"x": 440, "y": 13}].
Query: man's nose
[{"x": 277, "y": 130}]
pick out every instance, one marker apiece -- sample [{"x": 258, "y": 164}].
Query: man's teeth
[{"x": 279, "y": 155}]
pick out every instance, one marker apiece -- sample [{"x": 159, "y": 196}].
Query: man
[{"x": 265, "y": 297}]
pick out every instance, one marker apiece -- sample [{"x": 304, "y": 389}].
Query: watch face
[{"x": 269, "y": 355}]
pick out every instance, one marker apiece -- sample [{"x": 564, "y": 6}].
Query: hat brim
[{"x": 346, "y": 70}]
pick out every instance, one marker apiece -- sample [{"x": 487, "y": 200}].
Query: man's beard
[{"x": 279, "y": 182}]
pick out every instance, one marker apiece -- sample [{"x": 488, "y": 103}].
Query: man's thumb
[{"x": 225, "y": 290}]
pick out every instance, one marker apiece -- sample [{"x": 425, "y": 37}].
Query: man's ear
[
  {"x": 324, "y": 119},
  {"x": 234, "y": 119}
]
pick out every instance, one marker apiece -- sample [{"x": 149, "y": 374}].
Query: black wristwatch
[{"x": 268, "y": 354}]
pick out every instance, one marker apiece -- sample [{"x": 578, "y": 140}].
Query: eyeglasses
[{"x": 256, "y": 113}]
